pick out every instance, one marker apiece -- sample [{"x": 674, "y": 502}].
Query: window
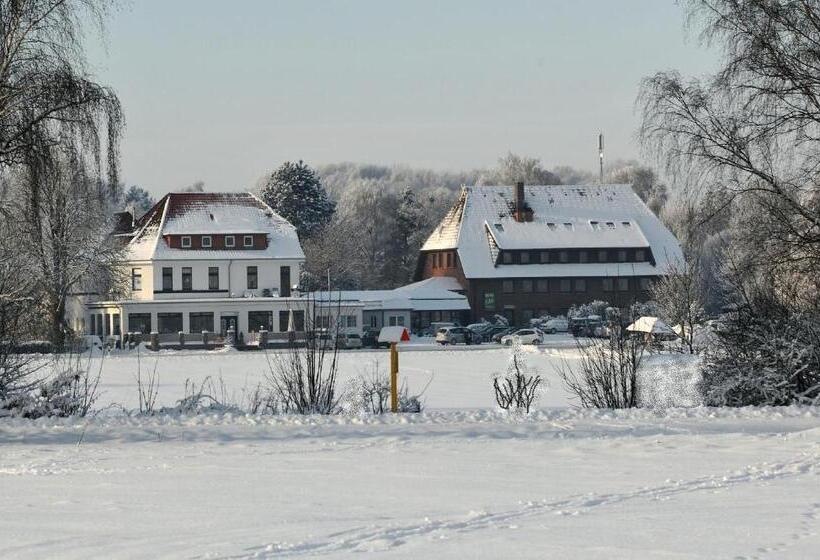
[
  {"x": 167, "y": 279},
  {"x": 626, "y": 224},
  {"x": 284, "y": 281},
  {"x": 247, "y": 241},
  {"x": 506, "y": 257},
  {"x": 136, "y": 279},
  {"x": 137, "y": 322},
  {"x": 169, "y": 323},
  {"x": 201, "y": 321},
  {"x": 526, "y": 286},
  {"x": 260, "y": 320},
  {"x": 563, "y": 256},
  {"x": 374, "y": 320},
  {"x": 352, "y": 321},
  {"x": 449, "y": 260},
  {"x": 644, "y": 284},
  {"x": 640, "y": 255},
  {"x": 552, "y": 226},
  {"x": 489, "y": 300},
  {"x": 206, "y": 241},
  {"x": 595, "y": 225},
  {"x": 187, "y": 281},
  {"x": 602, "y": 256},
  {"x": 186, "y": 241},
  {"x": 542, "y": 285},
  {"x": 566, "y": 285},
  {"x": 607, "y": 284},
  {"x": 545, "y": 256},
  {"x": 284, "y": 319},
  {"x": 568, "y": 226},
  {"x": 583, "y": 256},
  {"x": 299, "y": 320},
  {"x": 525, "y": 258},
  {"x": 230, "y": 241},
  {"x": 253, "y": 280},
  {"x": 623, "y": 284},
  {"x": 396, "y": 320},
  {"x": 323, "y": 321},
  {"x": 507, "y": 286},
  {"x": 213, "y": 277},
  {"x": 580, "y": 285},
  {"x": 621, "y": 256},
  {"x": 610, "y": 225},
  {"x": 116, "y": 319}
]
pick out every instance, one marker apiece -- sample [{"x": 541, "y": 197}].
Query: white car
[
  {"x": 556, "y": 325},
  {"x": 523, "y": 336}
]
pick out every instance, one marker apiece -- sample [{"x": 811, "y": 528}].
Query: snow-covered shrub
[
  {"x": 370, "y": 394},
  {"x": 207, "y": 396},
  {"x": 518, "y": 387},
  {"x": 669, "y": 380},
  {"x": 71, "y": 391},
  {"x": 607, "y": 376},
  {"x": 596, "y": 307},
  {"x": 763, "y": 355}
]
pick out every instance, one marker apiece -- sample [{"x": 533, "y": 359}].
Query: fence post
[
  {"x": 181, "y": 339},
  {"x": 263, "y": 338}
]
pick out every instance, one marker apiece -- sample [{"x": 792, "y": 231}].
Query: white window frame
[
  {"x": 209, "y": 243},
  {"x": 245, "y": 241},
  {"x": 230, "y": 241},
  {"x": 185, "y": 241}
]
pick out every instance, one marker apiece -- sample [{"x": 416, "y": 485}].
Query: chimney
[{"x": 522, "y": 212}]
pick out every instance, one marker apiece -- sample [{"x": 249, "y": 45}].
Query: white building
[{"x": 208, "y": 262}]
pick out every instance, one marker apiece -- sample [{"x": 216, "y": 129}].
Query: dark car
[
  {"x": 370, "y": 339},
  {"x": 505, "y": 331}
]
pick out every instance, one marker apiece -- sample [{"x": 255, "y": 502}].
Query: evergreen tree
[
  {"x": 295, "y": 192},
  {"x": 139, "y": 199}
]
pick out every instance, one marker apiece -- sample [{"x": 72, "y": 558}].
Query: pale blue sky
[{"x": 224, "y": 91}]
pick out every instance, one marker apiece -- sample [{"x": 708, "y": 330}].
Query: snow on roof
[
  {"x": 419, "y": 296},
  {"x": 564, "y": 216},
  {"x": 209, "y": 214}
]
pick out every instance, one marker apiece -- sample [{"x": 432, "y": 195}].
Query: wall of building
[
  {"x": 378, "y": 318},
  {"x": 232, "y": 278},
  {"x": 519, "y": 305}
]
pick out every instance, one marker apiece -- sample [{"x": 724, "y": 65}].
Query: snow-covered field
[{"x": 459, "y": 481}]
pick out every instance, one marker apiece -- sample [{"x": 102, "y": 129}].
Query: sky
[{"x": 224, "y": 92}]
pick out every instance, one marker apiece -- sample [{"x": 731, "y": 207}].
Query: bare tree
[
  {"x": 517, "y": 388},
  {"x": 754, "y": 126},
  {"x": 303, "y": 377},
  {"x": 607, "y": 375},
  {"x": 679, "y": 297}
]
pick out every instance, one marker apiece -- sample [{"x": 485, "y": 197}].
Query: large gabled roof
[
  {"x": 565, "y": 216},
  {"x": 211, "y": 214}
]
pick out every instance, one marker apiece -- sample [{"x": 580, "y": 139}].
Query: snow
[
  {"x": 480, "y": 208},
  {"x": 418, "y": 296},
  {"x": 460, "y": 480}
]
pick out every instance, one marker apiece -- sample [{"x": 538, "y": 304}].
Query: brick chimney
[{"x": 522, "y": 212}]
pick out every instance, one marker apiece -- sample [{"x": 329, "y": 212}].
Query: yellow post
[{"x": 394, "y": 374}]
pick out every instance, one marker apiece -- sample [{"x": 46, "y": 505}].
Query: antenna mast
[{"x": 601, "y": 156}]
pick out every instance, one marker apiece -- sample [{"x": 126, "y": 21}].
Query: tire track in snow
[{"x": 384, "y": 538}]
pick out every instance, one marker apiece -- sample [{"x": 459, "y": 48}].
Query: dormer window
[
  {"x": 595, "y": 225},
  {"x": 568, "y": 226},
  {"x": 552, "y": 226},
  {"x": 610, "y": 225},
  {"x": 499, "y": 227},
  {"x": 248, "y": 241},
  {"x": 186, "y": 241},
  {"x": 206, "y": 241},
  {"x": 230, "y": 241},
  {"x": 626, "y": 224}
]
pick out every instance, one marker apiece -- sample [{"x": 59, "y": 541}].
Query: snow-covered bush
[
  {"x": 370, "y": 394},
  {"x": 71, "y": 391},
  {"x": 763, "y": 355},
  {"x": 517, "y": 388},
  {"x": 669, "y": 380},
  {"x": 596, "y": 307}
]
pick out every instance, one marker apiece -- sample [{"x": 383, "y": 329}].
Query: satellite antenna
[{"x": 601, "y": 155}]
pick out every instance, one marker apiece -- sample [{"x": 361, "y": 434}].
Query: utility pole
[{"x": 601, "y": 156}]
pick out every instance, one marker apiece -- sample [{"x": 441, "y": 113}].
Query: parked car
[
  {"x": 585, "y": 326},
  {"x": 523, "y": 336},
  {"x": 502, "y": 332},
  {"x": 494, "y": 333},
  {"x": 370, "y": 339},
  {"x": 555, "y": 325},
  {"x": 457, "y": 335},
  {"x": 349, "y": 341}
]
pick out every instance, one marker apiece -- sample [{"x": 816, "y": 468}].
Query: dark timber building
[{"x": 528, "y": 251}]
